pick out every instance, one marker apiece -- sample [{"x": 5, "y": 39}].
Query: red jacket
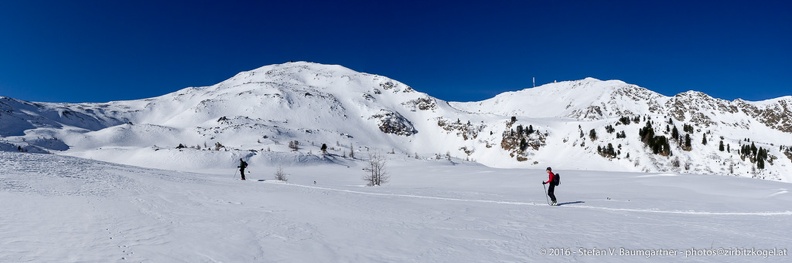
[{"x": 550, "y": 177}]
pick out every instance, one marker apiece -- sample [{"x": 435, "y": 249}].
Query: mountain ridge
[{"x": 258, "y": 112}]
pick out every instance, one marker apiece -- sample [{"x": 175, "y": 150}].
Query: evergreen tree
[
  {"x": 659, "y": 145},
  {"x": 704, "y": 139},
  {"x": 624, "y": 120},
  {"x": 611, "y": 152},
  {"x": 593, "y": 135},
  {"x": 648, "y": 135},
  {"x": 762, "y": 154},
  {"x": 687, "y": 141},
  {"x": 666, "y": 145},
  {"x": 674, "y": 133},
  {"x": 687, "y": 128},
  {"x": 648, "y": 132},
  {"x": 656, "y": 147},
  {"x": 720, "y": 148}
]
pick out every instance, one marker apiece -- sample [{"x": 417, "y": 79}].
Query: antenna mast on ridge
[{"x": 534, "y": 81}]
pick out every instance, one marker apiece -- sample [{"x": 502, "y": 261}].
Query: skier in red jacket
[{"x": 551, "y": 181}]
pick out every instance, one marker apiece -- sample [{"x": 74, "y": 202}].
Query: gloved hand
[{"x": 544, "y": 182}]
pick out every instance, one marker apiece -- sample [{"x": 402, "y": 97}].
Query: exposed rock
[{"x": 394, "y": 123}]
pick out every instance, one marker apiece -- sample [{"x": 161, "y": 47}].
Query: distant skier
[
  {"x": 242, "y": 166},
  {"x": 551, "y": 181}
]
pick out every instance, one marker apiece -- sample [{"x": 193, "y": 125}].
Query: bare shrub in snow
[
  {"x": 294, "y": 145},
  {"x": 280, "y": 175},
  {"x": 375, "y": 170}
]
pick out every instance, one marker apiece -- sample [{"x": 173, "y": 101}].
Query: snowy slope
[
  {"x": 257, "y": 114},
  {"x": 588, "y": 99},
  {"x": 65, "y": 209},
  {"x": 593, "y": 104}
]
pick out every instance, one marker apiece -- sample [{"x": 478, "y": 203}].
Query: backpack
[{"x": 557, "y": 179}]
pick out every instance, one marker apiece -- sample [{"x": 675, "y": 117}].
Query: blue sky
[{"x": 98, "y": 51}]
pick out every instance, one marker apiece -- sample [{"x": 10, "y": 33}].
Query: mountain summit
[{"x": 282, "y": 114}]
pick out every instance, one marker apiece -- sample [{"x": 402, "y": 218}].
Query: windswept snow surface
[{"x": 67, "y": 209}]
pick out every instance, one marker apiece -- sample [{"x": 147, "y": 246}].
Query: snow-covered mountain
[{"x": 283, "y": 113}]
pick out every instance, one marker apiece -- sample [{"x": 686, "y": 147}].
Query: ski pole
[
  {"x": 545, "y": 188},
  {"x": 235, "y": 172}
]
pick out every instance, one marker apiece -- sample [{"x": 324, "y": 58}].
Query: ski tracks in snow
[
  {"x": 780, "y": 192},
  {"x": 613, "y": 209}
]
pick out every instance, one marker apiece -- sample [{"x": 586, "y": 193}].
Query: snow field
[{"x": 75, "y": 210}]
